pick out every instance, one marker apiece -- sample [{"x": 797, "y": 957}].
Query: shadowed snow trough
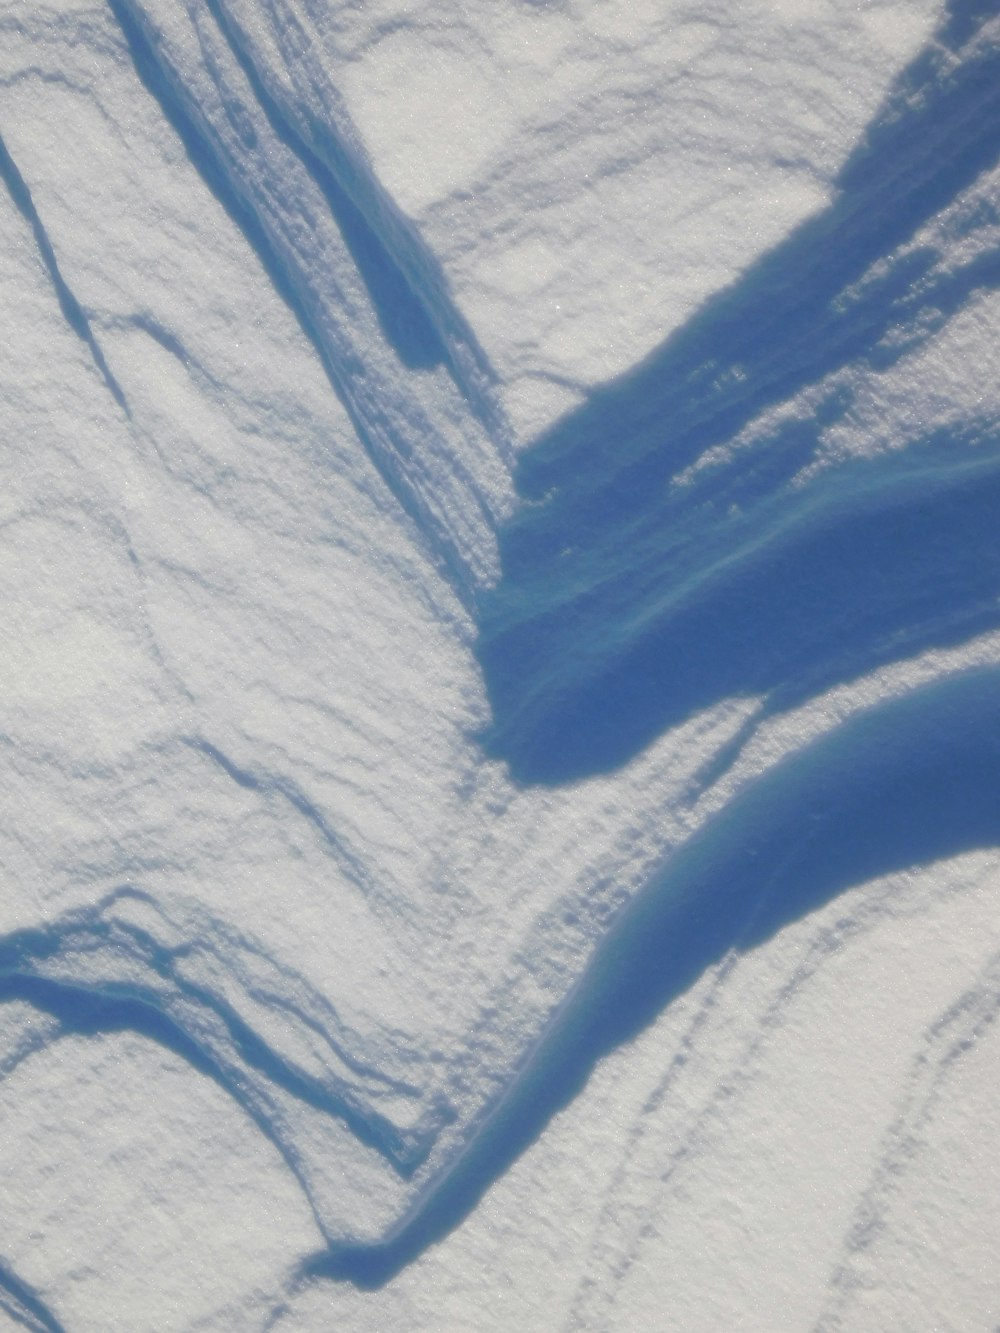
[{"x": 501, "y": 676}]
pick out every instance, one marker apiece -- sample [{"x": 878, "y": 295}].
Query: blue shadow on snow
[
  {"x": 631, "y": 599},
  {"x": 903, "y": 784},
  {"x": 402, "y": 316}
]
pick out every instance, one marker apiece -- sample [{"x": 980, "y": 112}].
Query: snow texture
[{"x": 501, "y": 684}]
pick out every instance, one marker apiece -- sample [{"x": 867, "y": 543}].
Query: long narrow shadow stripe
[
  {"x": 405, "y": 322},
  {"x": 25, "y": 1305},
  {"x": 441, "y": 547},
  {"x": 71, "y": 309},
  {"x": 88, "y": 1011}
]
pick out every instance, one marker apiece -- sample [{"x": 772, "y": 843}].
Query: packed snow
[{"x": 501, "y": 682}]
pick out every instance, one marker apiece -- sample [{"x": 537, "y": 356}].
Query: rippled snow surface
[{"x": 500, "y": 691}]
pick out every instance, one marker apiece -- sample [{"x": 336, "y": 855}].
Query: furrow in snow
[
  {"x": 352, "y": 865},
  {"x": 418, "y": 428},
  {"x": 302, "y": 94},
  {"x": 261, "y": 1031},
  {"x": 75, "y": 316},
  {"x": 944, "y": 1047}
]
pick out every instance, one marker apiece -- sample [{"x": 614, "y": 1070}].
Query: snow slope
[{"x": 501, "y": 678}]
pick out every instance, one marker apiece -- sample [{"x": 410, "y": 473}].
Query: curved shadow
[
  {"x": 87, "y": 1009},
  {"x": 629, "y": 599},
  {"x": 906, "y": 783}
]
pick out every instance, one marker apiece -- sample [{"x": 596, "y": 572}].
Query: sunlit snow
[{"x": 500, "y": 729}]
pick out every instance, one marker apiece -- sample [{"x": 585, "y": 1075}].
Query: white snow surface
[{"x": 500, "y": 687}]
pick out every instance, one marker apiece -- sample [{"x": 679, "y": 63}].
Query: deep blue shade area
[
  {"x": 630, "y": 600},
  {"x": 906, "y": 558}
]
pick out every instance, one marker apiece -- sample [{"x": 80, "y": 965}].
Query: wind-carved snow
[
  {"x": 387, "y": 810},
  {"x": 440, "y": 445}
]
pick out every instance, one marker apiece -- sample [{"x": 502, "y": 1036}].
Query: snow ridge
[
  {"x": 75, "y": 316},
  {"x": 296, "y": 87},
  {"x": 441, "y": 449},
  {"x": 216, "y": 998}
]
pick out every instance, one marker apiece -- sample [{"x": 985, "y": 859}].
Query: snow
[
  {"x": 500, "y": 685},
  {"x": 616, "y": 163}
]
